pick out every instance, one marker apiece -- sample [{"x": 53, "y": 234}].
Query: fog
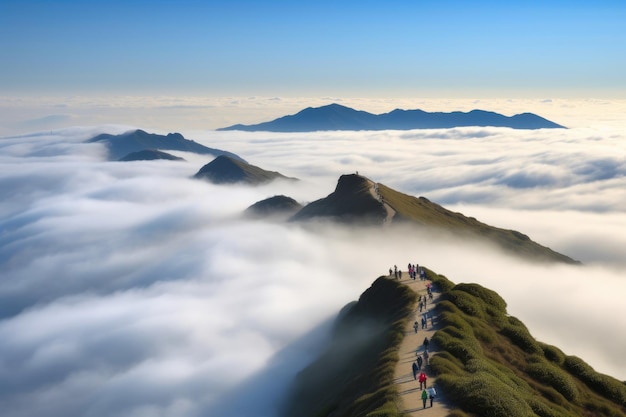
[{"x": 131, "y": 289}]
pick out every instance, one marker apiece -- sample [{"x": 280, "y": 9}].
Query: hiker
[
  {"x": 424, "y": 397},
  {"x": 419, "y": 363},
  {"x": 414, "y": 370},
  {"x": 422, "y": 379},
  {"x": 400, "y": 274},
  {"x": 390, "y": 271},
  {"x": 421, "y": 306},
  {"x": 425, "y": 357},
  {"x": 423, "y": 322},
  {"x": 431, "y": 395},
  {"x": 415, "y": 326},
  {"x": 426, "y": 342}
]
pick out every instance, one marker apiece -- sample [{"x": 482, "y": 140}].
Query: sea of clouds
[{"x": 128, "y": 288}]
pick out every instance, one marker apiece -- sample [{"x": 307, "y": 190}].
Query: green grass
[
  {"x": 428, "y": 214},
  {"x": 490, "y": 365}
]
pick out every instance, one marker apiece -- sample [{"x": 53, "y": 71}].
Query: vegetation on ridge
[
  {"x": 426, "y": 213},
  {"x": 488, "y": 363}
]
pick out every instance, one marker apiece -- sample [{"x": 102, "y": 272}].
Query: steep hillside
[
  {"x": 426, "y": 213},
  {"x": 490, "y": 365},
  {"x": 486, "y": 362},
  {"x": 354, "y": 376},
  {"x": 338, "y": 117},
  {"x": 227, "y": 170}
]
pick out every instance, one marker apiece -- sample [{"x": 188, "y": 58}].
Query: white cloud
[{"x": 129, "y": 288}]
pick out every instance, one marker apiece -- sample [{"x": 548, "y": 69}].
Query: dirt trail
[
  {"x": 390, "y": 211},
  {"x": 412, "y": 343}
]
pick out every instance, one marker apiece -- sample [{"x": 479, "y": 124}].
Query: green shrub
[
  {"x": 552, "y": 353},
  {"x": 466, "y": 302},
  {"x": 439, "y": 281},
  {"x": 554, "y": 377},
  {"x": 544, "y": 410},
  {"x": 604, "y": 385},
  {"x": 445, "y": 363},
  {"x": 488, "y": 296},
  {"x": 485, "y": 395},
  {"x": 520, "y": 336}
]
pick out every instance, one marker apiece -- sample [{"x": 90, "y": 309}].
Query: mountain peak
[{"x": 227, "y": 170}]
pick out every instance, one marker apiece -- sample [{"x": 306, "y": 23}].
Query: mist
[{"x": 128, "y": 288}]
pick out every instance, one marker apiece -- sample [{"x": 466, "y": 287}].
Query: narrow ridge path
[
  {"x": 411, "y": 346},
  {"x": 390, "y": 211}
]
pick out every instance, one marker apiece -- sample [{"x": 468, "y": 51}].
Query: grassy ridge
[
  {"x": 354, "y": 376},
  {"x": 490, "y": 365},
  {"x": 426, "y": 213}
]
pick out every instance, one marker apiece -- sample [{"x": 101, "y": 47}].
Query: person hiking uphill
[
  {"x": 431, "y": 394},
  {"x": 415, "y": 369},
  {"x": 422, "y": 379},
  {"x": 424, "y": 397}
]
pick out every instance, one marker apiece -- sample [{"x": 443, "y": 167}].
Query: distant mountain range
[
  {"x": 119, "y": 146},
  {"x": 227, "y": 170},
  {"x": 338, "y": 117}
]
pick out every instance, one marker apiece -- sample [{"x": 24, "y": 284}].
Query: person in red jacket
[{"x": 422, "y": 380}]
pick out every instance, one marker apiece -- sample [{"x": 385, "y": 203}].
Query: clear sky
[{"x": 305, "y": 48}]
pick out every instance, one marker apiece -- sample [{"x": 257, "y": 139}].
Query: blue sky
[{"x": 365, "y": 48}]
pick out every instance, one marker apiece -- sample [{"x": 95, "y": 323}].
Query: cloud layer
[{"x": 130, "y": 289}]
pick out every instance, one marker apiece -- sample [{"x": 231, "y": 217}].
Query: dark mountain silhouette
[
  {"x": 357, "y": 199},
  {"x": 351, "y": 202},
  {"x": 277, "y": 206},
  {"x": 138, "y": 140},
  {"x": 227, "y": 170},
  {"x": 150, "y": 155},
  {"x": 338, "y": 117}
]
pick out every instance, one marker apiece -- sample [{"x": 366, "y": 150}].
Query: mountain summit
[
  {"x": 338, "y": 117},
  {"x": 227, "y": 170}
]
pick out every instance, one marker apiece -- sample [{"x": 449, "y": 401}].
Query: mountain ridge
[
  {"x": 119, "y": 146},
  {"x": 485, "y": 362},
  {"x": 357, "y": 199},
  {"x": 338, "y": 117}
]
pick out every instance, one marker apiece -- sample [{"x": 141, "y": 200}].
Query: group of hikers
[
  {"x": 414, "y": 271},
  {"x": 422, "y": 356},
  {"x": 422, "y": 360}
]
